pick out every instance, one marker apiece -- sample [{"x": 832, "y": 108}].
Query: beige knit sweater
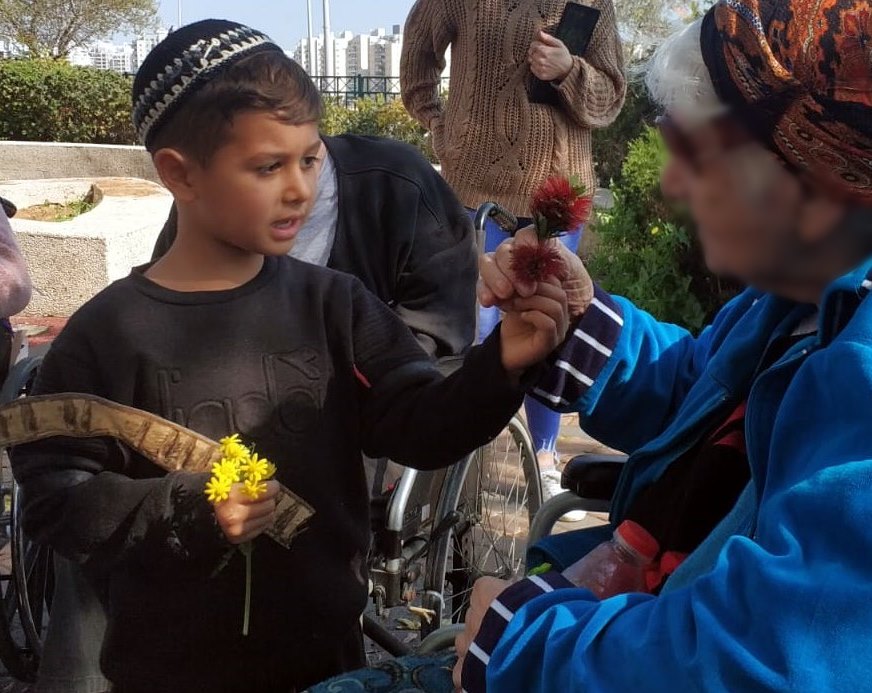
[{"x": 492, "y": 142}]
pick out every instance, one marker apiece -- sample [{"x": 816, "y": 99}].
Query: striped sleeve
[
  {"x": 575, "y": 366},
  {"x": 497, "y": 618}
]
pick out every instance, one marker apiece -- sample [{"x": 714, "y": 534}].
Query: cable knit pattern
[{"x": 492, "y": 142}]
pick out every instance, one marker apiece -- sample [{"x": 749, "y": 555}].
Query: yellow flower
[
  {"x": 218, "y": 489},
  {"x": 233, "y": 449},
  {"x": 253, "y": 488},
  {"x": 655, "y": 230},
  {"x": 238, "y": 464},
  {"x": 257, "y": 468},
  {"x": 227, "y": 469}
]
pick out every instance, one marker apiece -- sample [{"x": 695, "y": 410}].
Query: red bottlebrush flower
[
  {"x": 558, "y": 206},
  {"x": 533, "y": 263}
]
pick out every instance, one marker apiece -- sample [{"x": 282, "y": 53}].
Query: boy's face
[{"x": 258, "y": 188}]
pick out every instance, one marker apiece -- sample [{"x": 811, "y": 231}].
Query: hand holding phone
[
  {"x": 575, "y": 30},
  {"x": 549, "y": 58}
]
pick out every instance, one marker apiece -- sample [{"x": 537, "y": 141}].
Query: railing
[{"x": 351, "y": 88}]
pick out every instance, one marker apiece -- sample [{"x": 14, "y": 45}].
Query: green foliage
[
  {"x": 52, "y": 101},
  {"x": 610, "y": 144},
  {"x": 378, "y": 117},
  {"x": 646, "y": 251}
]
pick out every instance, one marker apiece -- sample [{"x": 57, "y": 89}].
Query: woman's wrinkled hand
[{"x": 498, "y": 284}]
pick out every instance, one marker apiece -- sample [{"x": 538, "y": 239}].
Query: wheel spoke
[{"x": 496, "y": 504}]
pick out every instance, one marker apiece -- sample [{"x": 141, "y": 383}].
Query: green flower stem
[{"x": 246, "y": 549}]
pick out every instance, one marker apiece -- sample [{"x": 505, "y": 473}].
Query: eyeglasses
[{"x": 730, "y": 133}]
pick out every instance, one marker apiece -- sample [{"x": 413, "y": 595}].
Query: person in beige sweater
[{"x": 493, "y": 143}]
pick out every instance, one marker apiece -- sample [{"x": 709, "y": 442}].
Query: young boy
[{"x": 226, "y": 334}]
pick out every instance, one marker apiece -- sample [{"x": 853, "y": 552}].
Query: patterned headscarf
[{"x": 799, "y": 74}]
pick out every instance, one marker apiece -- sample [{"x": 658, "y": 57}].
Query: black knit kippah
[{"x": 183, "y": 62}]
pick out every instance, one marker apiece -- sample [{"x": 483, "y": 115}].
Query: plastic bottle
[{"x": 619, "y": 565}]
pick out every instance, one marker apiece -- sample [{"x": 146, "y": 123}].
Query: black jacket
[
  {"x": 404, "y": 234},
  {"x": 339, "y": 373}
]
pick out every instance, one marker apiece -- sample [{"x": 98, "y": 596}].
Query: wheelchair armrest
[{"x": 593, "y": 476}]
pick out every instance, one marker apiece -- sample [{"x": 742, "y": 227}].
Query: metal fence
[{"x": 349, "y": 89}]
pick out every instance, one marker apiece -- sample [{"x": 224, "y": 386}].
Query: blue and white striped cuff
[
  {"x": 575, "y": 366},
  {"x": 502, "y": 610}
]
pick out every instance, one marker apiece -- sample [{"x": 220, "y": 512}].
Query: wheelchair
[
  {"x": 438, "y": 532},
  {"x": 590, "y": 481},
  {"x": 26, "y": 574}
]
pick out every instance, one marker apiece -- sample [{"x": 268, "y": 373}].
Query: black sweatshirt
[
  {"x": 404, "y": 234},
  {"x": 306, "y": 364}
]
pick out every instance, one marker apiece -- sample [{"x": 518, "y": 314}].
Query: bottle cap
[{"x": 639, "y": 538}]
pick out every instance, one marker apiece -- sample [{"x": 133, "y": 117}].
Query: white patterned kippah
[{"x": 183, "y": 62}]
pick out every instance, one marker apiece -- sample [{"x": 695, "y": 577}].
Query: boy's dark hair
[
  {"x": 193, "y": 83},
  {"x": 267, "y": 82}
]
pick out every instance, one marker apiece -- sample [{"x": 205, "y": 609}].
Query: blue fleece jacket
[{"x": 779, "y": 597}]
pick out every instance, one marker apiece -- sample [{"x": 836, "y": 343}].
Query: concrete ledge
[
  {"x": 71, "y": 261},
  {"x": 39, "y": 160}
]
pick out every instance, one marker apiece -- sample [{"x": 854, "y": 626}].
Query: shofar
[{"x": 166, "y": 444}]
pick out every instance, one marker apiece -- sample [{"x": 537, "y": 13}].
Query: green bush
[
  {"x": 610, "y": 144},
  {"x": 53, "y": 101},
  {"x": 646, "y": 251},
  {"x": 375, "y": 116}
]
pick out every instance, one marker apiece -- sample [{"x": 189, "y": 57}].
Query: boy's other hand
[
  {"x": 242, "y": 518},
  {"x": 498, "y": 284},
  {"x": 533, "y": 326}
]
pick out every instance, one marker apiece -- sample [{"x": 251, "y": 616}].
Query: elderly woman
[
  {"x": 751, "y": 449},
  {"x": 768, "y": 118}
]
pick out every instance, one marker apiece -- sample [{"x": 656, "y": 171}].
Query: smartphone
[{"x": 575, "y": 30}]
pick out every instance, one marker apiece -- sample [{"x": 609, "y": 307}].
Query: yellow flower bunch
[{"x": 238, "y": 464}]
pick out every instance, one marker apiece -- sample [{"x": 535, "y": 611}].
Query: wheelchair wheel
[
  {"x": 493, "y": 494},
  {"x": 26, "y": 574}
]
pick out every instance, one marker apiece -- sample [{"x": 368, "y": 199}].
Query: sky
[{"x": 285, "y": 20}]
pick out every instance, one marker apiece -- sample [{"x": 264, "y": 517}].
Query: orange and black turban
[{"x": 799, "y": 74}]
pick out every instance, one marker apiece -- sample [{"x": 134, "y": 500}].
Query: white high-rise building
[
  {"x": 11, "y": 49},
  {"x": 142, "y": 46},
  {"x": 103, "y": 55},
  {"x": 301, "y": 55},
  {"x": 79, "y": 56},
  {"x": 357, "y": 55},
  {"x": 373, "y": 55},
  {"x": 384, "y": 53},
  {"x": 340, "y": 45}
]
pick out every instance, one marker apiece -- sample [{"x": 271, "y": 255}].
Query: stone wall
[
  {"x": 37, "y": 160},
  {"x": 71, "y": 261}
]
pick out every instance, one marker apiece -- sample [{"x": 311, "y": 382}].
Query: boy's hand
[
  {"x": 533, "y": 327},
  {"x": 241, "y": 518},
  {"x": 498, "y": 284}
]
